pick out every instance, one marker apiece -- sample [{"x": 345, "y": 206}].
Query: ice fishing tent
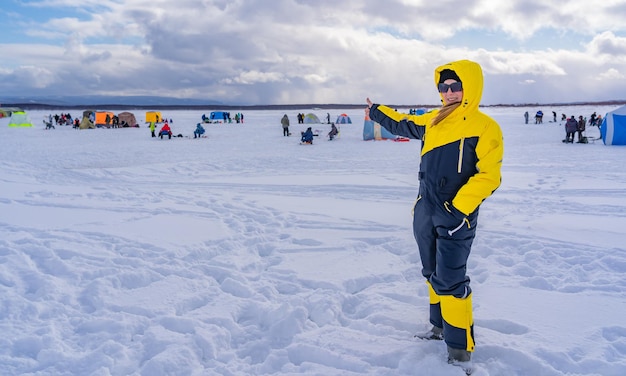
[
  {"x": 153, "y": 116},
  {"x": 218, "y": 116},
  {"x": 613, "y": 127},
  {"x": 86, "y": 122},
  {"x": 374, "y": 131},
  {"x": 101, "y": 119},
  {"x": 127, "y": 119},
  {"x": 7, "y": 111},
  {"x": 343, "y": 119},
  {"x": 311, "y": 119},
  {"x": 20, "y": 119}
]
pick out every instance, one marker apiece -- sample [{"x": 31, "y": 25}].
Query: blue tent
[
  {"x": 374, "y": 131},
  {"x": 613, "y": 128},
  {"x": 216, "y": 116},
  {"x": 343, "y": 119}
]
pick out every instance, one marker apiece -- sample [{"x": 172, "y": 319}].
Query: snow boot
[
  {"x": 458, "y": 355},
  {"x": 435, "y": 333},
  {"x": 461, "y": 358}
]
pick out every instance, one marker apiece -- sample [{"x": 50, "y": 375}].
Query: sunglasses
[{"x": 455, "y": 87}]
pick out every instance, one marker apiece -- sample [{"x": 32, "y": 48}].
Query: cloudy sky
[{"x": 318, "y": 51}]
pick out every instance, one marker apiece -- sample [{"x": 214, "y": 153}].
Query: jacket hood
[{"x": 471, "y": 75}]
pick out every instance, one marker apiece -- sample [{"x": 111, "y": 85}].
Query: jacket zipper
[
  {"x": 419, "y": 197},
  {"x": 463, "y": 222},
  {"x": 461, "y": 145}
]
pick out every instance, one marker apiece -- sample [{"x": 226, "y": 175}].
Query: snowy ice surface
[{"x": 245, "y": 253}]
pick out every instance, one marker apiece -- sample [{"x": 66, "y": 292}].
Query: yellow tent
[{"x": 154, "y": 116}]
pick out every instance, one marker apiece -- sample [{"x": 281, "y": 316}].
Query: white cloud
[
  {"x": 246, "y": 51},
  {"x": 611, "y": 74},
  {"x": 252, "y": 77},
  {"x": 607, "y": 43},
  {"x": 36, "y": 77}
]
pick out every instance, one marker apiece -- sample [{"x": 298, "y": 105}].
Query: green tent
[{"x": 20, "y": 119}]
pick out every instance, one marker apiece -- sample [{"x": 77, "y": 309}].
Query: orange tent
[{"x": 101, "y": 117}]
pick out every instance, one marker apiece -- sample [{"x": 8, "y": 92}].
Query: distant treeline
[{"x": 45, "y": 106}]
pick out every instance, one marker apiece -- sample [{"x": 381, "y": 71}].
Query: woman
[{"x": 460, "y": 165}]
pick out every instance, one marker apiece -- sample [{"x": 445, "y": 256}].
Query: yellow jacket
[{"x": 462, "y": 155}]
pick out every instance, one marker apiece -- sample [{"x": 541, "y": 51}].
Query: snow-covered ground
[{"x": 245, "y": 253}]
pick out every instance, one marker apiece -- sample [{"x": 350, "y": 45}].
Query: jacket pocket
[{"x": 451, "y": 220}]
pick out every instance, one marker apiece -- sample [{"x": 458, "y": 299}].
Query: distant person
[
  {"x": 152, "y": 128},
  {"x": 199, "y": 131},
  {"x": 580, "y": 129},
  {"x": 539, "y": 117},
  {"x": 333, "y": 131},
  {"x": 554, "y": 115},
  {"x": 327, "y": 118},
  {"x": 526, "y": 116},
  {"x": 307, "y": 136},
  {"x": 592, "y": 119},
  {"x": 570, "y": 128},
  {"x": 285, "y": 123},
  {"x": 48, "y": 124},
  {"x": 165, "y": 131}
]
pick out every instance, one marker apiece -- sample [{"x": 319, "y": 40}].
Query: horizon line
[{"x": 321, "y": 106}]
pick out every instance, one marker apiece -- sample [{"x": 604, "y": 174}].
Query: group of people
[
  {"x": 63, "y": 119},
  {"x": 594, "y": 119},
  {"x": 166, "y": 130},
  {"x": 573, "y": 126},
  {"x": 307, "y": 136}
]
